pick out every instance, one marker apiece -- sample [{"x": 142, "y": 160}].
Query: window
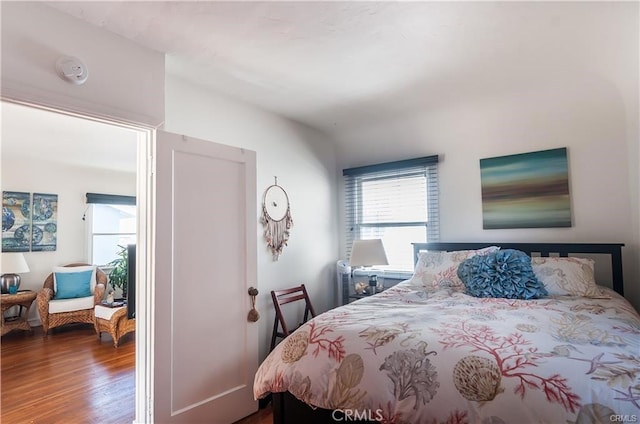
[
  {"x": 395, "y": 201},
  {"x": 112, "y": 223}
]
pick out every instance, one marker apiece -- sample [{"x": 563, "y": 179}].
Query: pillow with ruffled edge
[
  {"x": 503, "y": 274},
  {"x": 567, "y": 276},
  {"x": 435, "y": 270}
]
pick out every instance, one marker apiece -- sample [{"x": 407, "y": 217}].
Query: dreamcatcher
[{"x": 276, "y": 217}]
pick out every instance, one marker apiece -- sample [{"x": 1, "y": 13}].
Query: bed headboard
[{"x": 614, "y": 250}]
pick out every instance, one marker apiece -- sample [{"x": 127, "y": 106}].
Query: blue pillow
[
  {"x": 71, "y": 285},
  {"x": 505, "y": 273}
]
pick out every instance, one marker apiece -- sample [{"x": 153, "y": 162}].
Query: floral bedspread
[{"x": 414, "y": 355}]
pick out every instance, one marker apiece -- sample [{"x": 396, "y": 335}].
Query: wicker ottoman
[{"x": 113, "y": 321}]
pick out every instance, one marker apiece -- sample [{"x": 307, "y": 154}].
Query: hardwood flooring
[
  {"x": 263, "y": 416},
  {"x": 68, "y": 377},
  {"x": 72, "y": 377}
]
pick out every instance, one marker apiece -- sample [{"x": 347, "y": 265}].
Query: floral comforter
[{"x": 410, "y": 355}]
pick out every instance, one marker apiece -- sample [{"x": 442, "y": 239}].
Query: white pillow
[
  {"x": 67, "y": 269},
  {"x": 566, "y": 276},
  {"x": 440, "y": 269}
]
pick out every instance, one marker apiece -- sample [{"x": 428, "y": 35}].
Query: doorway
[
  {"x": 175, "y": 257},
  {"x": 46, "y": 151}
]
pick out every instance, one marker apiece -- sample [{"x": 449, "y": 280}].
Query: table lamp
[
  {"x": 11, "y": 265},
  {"x": 367, "y": 253}
]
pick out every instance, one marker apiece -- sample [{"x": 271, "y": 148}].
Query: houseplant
[{"x": 118, "y": 274}]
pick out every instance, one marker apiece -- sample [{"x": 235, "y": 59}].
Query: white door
[{"x": 205, "y": 350}]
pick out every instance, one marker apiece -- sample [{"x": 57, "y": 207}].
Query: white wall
[
  {"x": 304, "y": 162},
  {"x": 126, "y": 81},
  {"x": 594, "y": 114},
  {"x": 303, "y": 159},
  {"x": 70, "y": 184}
]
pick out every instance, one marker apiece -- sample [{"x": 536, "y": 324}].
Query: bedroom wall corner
[
  {"x": 629, "y": 88},
  {"x": 304, "y": 161}
]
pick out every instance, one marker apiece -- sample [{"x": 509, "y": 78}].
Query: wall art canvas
[
  {"x": 16, "y": 221},
  {"x": 44, "y": 230},
  {"x": 528, "y": 190}
]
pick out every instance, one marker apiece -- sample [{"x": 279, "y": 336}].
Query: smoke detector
[{"x": 72, "y": 69}]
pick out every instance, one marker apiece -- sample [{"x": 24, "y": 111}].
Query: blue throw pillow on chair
[
  {"x": 71, "y": 285},
  {"x": 505, "y": 273}
]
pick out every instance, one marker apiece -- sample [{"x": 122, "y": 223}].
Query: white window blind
[{"x": 396, "y": 202}]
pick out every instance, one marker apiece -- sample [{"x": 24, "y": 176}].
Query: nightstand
[
  {"x": 385, "y": 280},
  {"x": 355, "y": 296},
  {"x": 348, "y": 289}
]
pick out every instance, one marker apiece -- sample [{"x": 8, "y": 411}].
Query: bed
[{"x": 421, "y": 352}]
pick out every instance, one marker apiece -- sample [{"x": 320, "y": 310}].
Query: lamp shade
[
  {"x": 368, "y": 253},
  {"x": 13, "y": 263}
]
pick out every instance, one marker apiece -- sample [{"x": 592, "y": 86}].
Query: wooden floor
[
  {"x": 263, "y": 416},
  {"x": 71, "y": 377},
  {"x": 67, "y": 377}
]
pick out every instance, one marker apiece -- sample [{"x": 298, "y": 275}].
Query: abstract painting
[
  {"x": 44, "y": 230},
  {"x": 528, "y": 190},
  {"x": 16, "y": 221}
]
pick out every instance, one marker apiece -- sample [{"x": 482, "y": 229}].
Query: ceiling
[
  {"x": 335, "y": 66},
  {"x": 338, "y": 66},
  {"x": 64, "y": 139}
]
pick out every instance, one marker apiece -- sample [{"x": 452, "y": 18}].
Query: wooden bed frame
[{"x": 287, "y": 409}]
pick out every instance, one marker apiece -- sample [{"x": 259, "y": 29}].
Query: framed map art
[
  {"x": 16, "y": 221},
  {"x": 29, "y": 223},
  {"x": 44, "y": 227}
]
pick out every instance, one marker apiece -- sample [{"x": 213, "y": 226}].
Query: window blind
[
  {"x": 110, "y": 199},
  {"x": 394, "y": 201}
]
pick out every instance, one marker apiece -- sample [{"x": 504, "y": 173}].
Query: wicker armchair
[{"x": 56, "y": 316}]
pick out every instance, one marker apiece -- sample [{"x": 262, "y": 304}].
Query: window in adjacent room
[
  {"x": 112, "y": 222},
  {"x": 394, "y": 201}
]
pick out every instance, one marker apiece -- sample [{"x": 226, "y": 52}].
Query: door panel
[{"x": 206, "y": 352}]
